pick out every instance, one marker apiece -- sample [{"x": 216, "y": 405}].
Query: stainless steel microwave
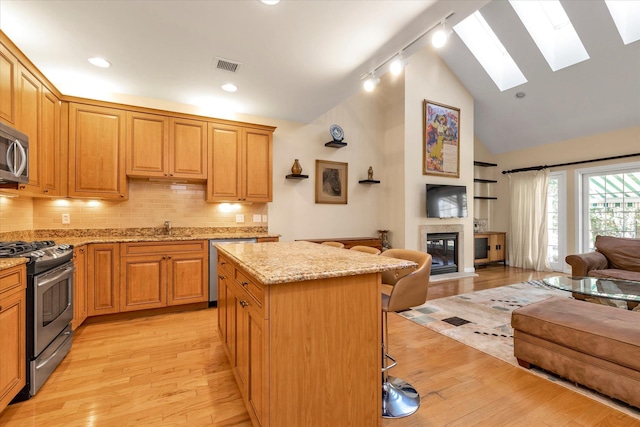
[{"x": 14, "y": 155}]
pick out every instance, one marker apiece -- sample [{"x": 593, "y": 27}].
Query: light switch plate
[
  {"x": 239, "y": 217},
  {"x": 66, "y": 219},
  {"x": 257, "y": 217},
  {"x": 264, "y": 218}
]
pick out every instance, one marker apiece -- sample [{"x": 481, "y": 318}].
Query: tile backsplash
[{"x": 150, "y": 204}]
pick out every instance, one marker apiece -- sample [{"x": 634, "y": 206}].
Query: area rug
[{"x": 482, "y": 320}]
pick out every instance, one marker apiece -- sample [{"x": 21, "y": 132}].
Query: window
[
  {"x": 610, "y": 203},
  {"x": 556, "y": 223}
]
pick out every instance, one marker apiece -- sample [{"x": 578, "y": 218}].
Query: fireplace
[{"x": 443, "y": 248}]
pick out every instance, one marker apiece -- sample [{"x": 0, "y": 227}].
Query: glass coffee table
[{"x": 590, "y": 288}]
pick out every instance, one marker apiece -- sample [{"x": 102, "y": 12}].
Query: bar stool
[
  {"x": 334, "y": 244},
  {"x": 367, "y": 249},
  {"x": 402, "y": 289}
]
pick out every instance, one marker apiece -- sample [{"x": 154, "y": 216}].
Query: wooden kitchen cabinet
[
  {"x": 50, "y": 165},
  {"x": 155, "y": 275},
  {"x": 28, "y": 105},
  {"x": 103, "y": 277},
  {"x": 225, "y": 276},
  {"x": 80, "y": 307},
  {"x": 241, "y": 162},
  {"x": 13, "y": 316},
  {"x": 8, "y": 85},
  {"x": 165, "y": 147},
  {"x": 490, "y": 247},
  {"x": 248, "y": 342},
  {"x": 97, "y": 152}
]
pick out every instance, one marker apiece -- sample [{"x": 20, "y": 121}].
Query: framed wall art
[
  {"x": 331, "y": 182},
  {"x": 441, "y": 146}
]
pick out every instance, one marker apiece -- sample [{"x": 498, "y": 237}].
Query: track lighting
[
  {"x": 440, "y": 37},
  {"x": 370, "y": 82},
  {"x": 397, "y": 61}
]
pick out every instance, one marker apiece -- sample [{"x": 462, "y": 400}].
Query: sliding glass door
[{"x": 556, "y": 220}]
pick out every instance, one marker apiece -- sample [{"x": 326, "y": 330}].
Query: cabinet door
[
  {"x": 256, "y": 357},
  {"x": 223, "y": 183},
  {"x": 187, "y": 280},
  {"x": 8, "y": 81},
  {"x": 188, "y": 149},
  {"x": 12, "y": 333},
  {"x": 147, "y": 145},
  {"x": 28, "y": 122},
  {"x": 482, "y": 248},
  {"x": 96, "y": 152},
  {"x": 79, "y": 286},
  {"x": 143, "y": 282},
  {"x": 50, "y": 143},
  {"x": 498, "y": 247},
  {"x": 257, "y": 166},
  {"x": 103, "y": 274},
  {"x": 224, "y": 277}
]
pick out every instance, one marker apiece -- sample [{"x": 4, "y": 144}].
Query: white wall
[{"x": 427, "y": 77}]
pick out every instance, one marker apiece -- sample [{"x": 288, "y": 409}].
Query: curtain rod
[{"x": 537, "y": 168}]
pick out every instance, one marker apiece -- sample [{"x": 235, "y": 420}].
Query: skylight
[
  {"x": 476, "y": 33},
  {"x": 626, "y": 16},
  {"x": 552, "y": 31}
]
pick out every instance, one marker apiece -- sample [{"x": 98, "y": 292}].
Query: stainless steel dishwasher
[{"x": 213, "y": 266}]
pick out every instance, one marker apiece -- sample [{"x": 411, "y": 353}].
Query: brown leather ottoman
[{"x": 594, "y": 345}]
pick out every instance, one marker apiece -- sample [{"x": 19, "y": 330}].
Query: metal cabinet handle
[
  {"x": 243, "y": 303},
  {"x": 221, "y": 277},
  {"x": 244, "y": 283}
]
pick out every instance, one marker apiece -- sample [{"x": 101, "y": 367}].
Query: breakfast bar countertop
[{"x": 285, "y": 262}]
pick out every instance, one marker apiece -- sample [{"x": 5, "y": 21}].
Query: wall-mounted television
[{"x": 446, "y": 201}]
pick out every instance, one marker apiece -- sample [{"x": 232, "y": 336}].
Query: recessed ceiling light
[
  {"x": 520, "y": 94},
  {"x": 270, "y": 2},
  {"x": 100, "y": 62},
  {"x": 229, "y": 87}
]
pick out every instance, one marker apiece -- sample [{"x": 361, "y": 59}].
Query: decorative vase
[
  {"x": 296, "y": 169},
  {"x": 385, "y": 242}
]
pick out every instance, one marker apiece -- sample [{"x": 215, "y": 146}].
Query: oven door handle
[
  {"x": 55, "y": 277},
  {"x": 48, "y": 359}
]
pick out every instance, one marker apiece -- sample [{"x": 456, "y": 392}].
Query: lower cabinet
[
  {"x": 13, "y": 283},
  {"x": 103, "y": 275},
  {"x": 80, "y": 308},
  {"x": 240, "y": 305},
  {"x": 490, "y": 247},
  {"x": 154, "y": 275}
]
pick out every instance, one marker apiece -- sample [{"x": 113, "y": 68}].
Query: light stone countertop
[
  {"x": 285, "y": 262},
  {"x": 85, "y": 240},
  {"x": 6, "y": 263}
]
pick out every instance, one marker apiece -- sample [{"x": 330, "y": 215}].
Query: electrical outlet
[
  {"x": 264, "y": 218},
  {"x": 239, "y": 217},
  {"x": 257, "y": 217},
  {"x": 66, "y": 219}
]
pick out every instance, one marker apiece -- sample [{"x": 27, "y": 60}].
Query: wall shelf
[
  {"x": 484, "y": 164},
  {"x": 488, "y": 181},
  {"x": 296, "y": 176},
  {"x": 369, "y": 181},
  {"x": 335, "y": 144}
]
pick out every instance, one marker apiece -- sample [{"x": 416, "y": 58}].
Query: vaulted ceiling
[{"x": 301, "y": 58}]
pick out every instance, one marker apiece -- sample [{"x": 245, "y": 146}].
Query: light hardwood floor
[{"x": 170, "y": 370}]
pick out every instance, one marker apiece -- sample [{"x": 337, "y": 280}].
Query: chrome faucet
[{"x": 167, "y": 227}]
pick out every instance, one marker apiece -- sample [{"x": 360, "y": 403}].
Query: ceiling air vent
[{"x": 227, "y": 65}]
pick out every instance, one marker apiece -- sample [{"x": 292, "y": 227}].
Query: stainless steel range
[{"x": 49, "y": 307}]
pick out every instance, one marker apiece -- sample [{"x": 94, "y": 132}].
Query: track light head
[
  {"x": 370, "y": 82},
  {"x": 397, "y": 65},
  {"x": 440, "y": 37}
]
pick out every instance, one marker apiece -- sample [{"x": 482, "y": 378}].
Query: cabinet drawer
[
  {"x": 143, "y": 248},
  {"x": 12, "y": 278},
  {"x": 250, "y": 286}
]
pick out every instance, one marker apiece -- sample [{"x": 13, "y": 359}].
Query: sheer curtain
[{"x": 528, "y": 230}]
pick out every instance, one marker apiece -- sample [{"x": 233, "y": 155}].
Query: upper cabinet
[
  {"x": 50, "y": 158},
  {"x": 8, "y": 79},
  {"x": 240, "y": 164},
  {"x": 164, "y": 147},
  {"x": 97, "y": 152},
  {"x": 28, "y": 105}
]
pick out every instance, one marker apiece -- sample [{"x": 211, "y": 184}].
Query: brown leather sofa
[
  {"x": 591, "y": 344},
  {"x": 615, "y": 258}
]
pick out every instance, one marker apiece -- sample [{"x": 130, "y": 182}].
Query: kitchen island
[{"x": 300, "y": 324}]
